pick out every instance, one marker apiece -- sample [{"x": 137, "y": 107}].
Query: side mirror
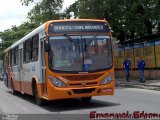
[{"x": 47, "y": 47}]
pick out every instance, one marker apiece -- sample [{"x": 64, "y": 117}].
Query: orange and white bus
[{"x": 62, "y": 59}]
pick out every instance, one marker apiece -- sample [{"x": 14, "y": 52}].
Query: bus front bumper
[{"x": 62, "y": 93}]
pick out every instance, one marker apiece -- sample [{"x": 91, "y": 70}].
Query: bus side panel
[
  {"x": 27, "y": 87},
  {"x": 15, "y": 78},
  {"x": 16, "y": 84},
  {"x": 30, "y": 71}
]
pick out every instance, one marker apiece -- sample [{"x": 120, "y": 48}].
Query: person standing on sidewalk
[
  {"x": 141, "y": 67},
  {"x": 127, "y": 68}
]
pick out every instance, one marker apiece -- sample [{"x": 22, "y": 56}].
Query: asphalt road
[{"x": 125, "y": 99}]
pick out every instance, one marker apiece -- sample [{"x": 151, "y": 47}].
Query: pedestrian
[
  {"x": 127, "y": 68},
  {"x": 141, "y": 67}
]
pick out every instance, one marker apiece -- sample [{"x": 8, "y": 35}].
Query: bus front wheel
[
  {"x": 39, "y": 100},
  {"x": 86, "y": 99}
]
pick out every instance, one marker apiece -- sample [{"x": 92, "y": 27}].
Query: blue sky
[{"x": 13, "y": 13}]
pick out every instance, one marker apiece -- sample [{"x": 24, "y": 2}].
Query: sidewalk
[{"x": 149, "y": 84}]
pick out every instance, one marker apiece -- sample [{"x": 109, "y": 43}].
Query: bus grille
[
  {"x": 87, "y": 84},
  {"x": 82, "y": 91},
  {"x": 82, "y": 77}
]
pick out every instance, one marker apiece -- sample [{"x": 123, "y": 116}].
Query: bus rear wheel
[
  {"x": 86, "y": 99},
  {"x": 39, "y": 100}
]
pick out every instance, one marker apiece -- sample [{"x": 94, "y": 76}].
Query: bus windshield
[{"x": 80, "y": 53}]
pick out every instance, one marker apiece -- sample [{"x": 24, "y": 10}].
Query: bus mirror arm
[{"x": 47, "y": 48}]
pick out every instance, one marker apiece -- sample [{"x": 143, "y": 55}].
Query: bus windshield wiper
[{"x": 71, "y": 40}]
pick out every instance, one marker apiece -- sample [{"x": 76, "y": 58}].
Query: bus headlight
[
  {"x": 107, "y": 80},
  {"x": 56, "y": 82}
]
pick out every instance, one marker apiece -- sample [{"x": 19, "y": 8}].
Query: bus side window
[
  {"x": 35, "y": 44},
  {"x": 27, "y": 51},
  {"x": 12, "y": 56},
  {"x": 16, "y": 56}
]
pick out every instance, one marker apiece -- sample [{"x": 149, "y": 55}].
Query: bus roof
[{"x": 64, "y": 20}]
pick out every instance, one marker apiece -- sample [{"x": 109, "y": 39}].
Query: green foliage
[
  {"x": 128, "y": 18},
  {"x": 72, "y": 8},
  {"x": 27, "y": 2},
  {"x": 14, "y": 34},
  {"x": 45, "y": 10},
  {"x": 91, "y": 8}
]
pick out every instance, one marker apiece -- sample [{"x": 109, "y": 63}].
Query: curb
[{"x": 140, "y": 86}]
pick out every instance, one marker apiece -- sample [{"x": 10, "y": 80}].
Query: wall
[{"x": 148, "y": 50}]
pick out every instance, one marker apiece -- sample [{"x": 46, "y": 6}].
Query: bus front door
[{"x": 43, "y": 67}]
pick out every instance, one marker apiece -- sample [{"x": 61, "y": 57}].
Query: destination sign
[{"x": 78, "y": 26}]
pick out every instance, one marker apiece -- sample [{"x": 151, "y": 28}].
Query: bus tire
[
  {"x": 86, "y": 99},
  {"x": 39, "y": 100}
]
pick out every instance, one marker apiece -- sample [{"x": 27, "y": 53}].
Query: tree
[
  {"x": 71, "y": 8},
  {"x": 27, "y": 2},
  {"x": 91, "y": 8},
  {"x": 44, "y": 10},
  {"x": 128, "y": 18},
  {"x": 14, "y": 34}
]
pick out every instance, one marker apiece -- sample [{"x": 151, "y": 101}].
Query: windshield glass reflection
[{"x": 80, "y": 53}]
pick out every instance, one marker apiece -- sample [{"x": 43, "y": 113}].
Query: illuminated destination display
[
  {"x": 66, "y": 28},
  {"x": 81, "y": 26}
]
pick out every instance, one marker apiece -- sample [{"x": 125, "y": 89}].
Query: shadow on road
[
  {"x": 68, "y": 104},
  {"x": 76, "y": 104}
]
